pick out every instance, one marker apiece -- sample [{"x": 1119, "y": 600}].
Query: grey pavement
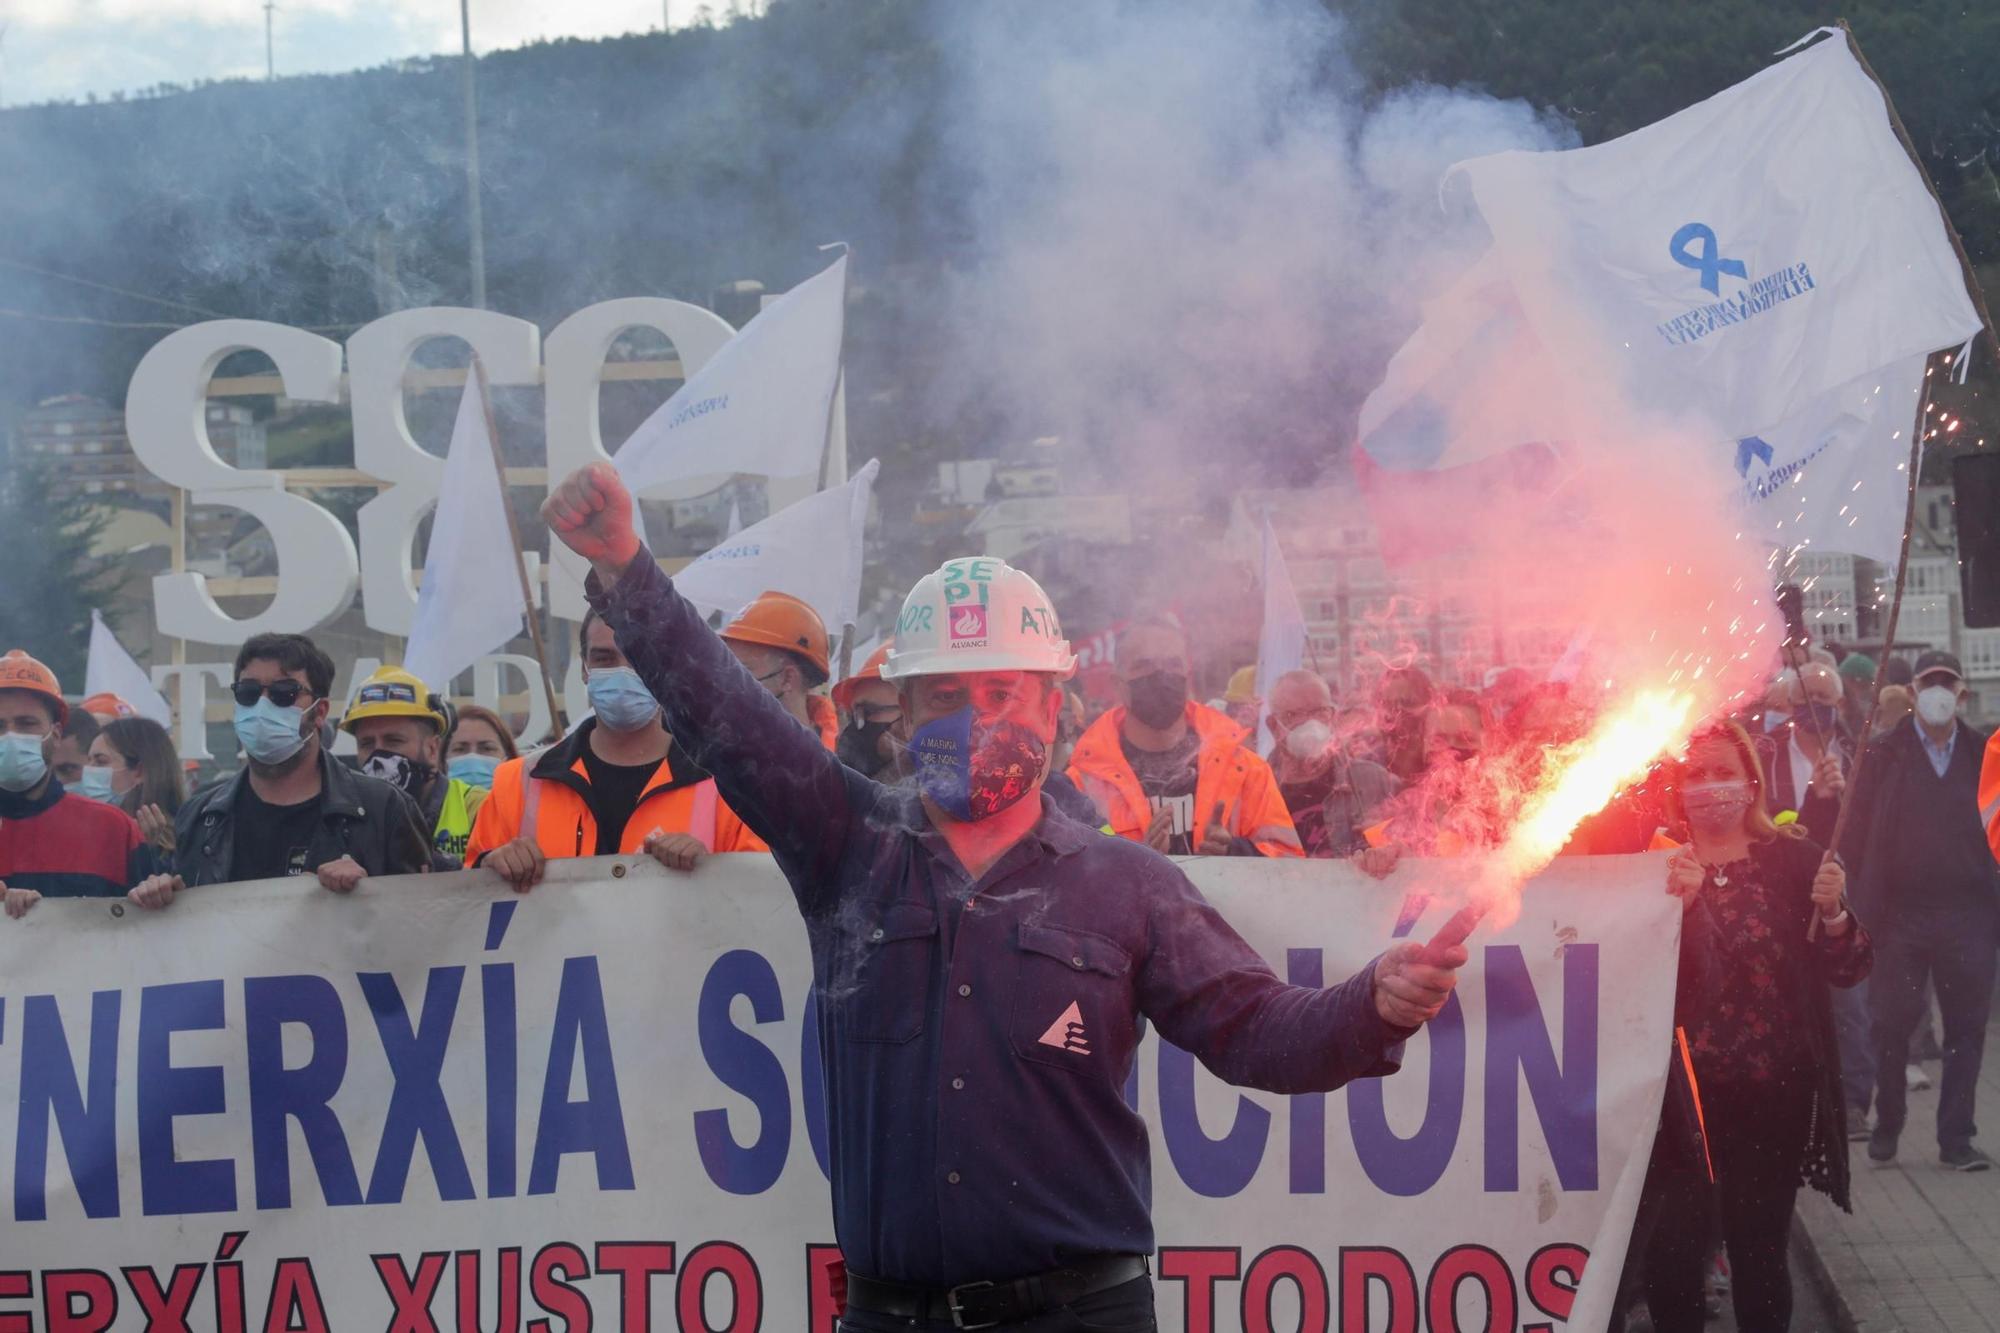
[{"x": 1921, "y": 1253}]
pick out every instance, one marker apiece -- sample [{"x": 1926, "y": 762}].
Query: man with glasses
[
  {"x": 1333, "y": 797},
  {"x": 290, "y": 810},
  {"x": 783, "y": 642}
]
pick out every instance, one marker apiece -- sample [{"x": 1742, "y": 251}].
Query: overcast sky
[{"x": 66, "y": 48}]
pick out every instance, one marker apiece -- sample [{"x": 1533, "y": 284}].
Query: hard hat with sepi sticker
[{"x": 977, "y": 614}]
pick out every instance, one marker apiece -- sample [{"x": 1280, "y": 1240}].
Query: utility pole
[
  {"x": 3, "y": 45},
  {"x": 270, "y": 59},
  {"x": 474, "y": 217},
  {"x": 666, "y": 16}
]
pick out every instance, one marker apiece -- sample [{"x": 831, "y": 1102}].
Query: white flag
[
  {"x": 811, "y": 550},
  {"x": 111, "y": 670},
  {"x": 761, "y": 403},
  {"x": 1281, "y": 645},
  {"x": 470, "y": 601},
  {"x": 1832, "y": 478},
  {"x": 1734, "y": 263}
]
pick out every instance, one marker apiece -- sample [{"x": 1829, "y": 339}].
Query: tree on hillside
[{"x": 53, "y": 582}]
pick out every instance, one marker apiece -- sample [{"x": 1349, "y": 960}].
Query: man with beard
[
  {"x": 399, "y": 726},
  {"x": 870, "y": 710},
  {"x": 1172, "y": 773},
  {"x": 290, "y": 810},
  {"x": 983, "y": 966}
]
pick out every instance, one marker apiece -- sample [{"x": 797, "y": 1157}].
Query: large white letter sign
[
  {"x": 166, "y": 416},
  {"x": 574, "y": 356},
  {"x": 510, "y": 349}
]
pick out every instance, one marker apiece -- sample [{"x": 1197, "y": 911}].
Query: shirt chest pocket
[
  {"x": 894, "y": 957},
  {"x": 1072, "y": 1000}
]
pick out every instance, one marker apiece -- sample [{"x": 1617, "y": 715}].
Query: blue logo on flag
[
  {"x": 1748, "y": 449},
  {"x": 1707, "y": 261}
]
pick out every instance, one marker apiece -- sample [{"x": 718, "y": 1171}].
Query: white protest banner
[
  {"x": 761, "y": 403},
  {"x": 470, "y": 602},
  {"x": 1281, "y": 644},
  {"x": 1731, "y": 264},
  {"x": 111, "y": 670},
  {"x": 811, "y": 550},
  {"x": 436, "y": 1104}
]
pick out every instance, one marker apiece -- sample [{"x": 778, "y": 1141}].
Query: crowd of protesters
[{"x": 1806, "y": 981}]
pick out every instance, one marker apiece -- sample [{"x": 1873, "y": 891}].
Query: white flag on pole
[
  {"x": 760, "y": 405},
  {"x": 470, "y": 601},
  {"x": 1831, "y": 478},
  {"x": 111, "y": 670},
  {"x": 811, "y": 550},
  {"x": 1732, "y": 264},
  {"x": 1281, "y": 645}
]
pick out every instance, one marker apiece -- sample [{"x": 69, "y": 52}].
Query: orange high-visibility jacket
[
  {"x": 1226, "y": 771},
  {"x": 1989, "y": 792},
  {"x": 553, "y": 798},
  {"x": 825, "y": 720}
]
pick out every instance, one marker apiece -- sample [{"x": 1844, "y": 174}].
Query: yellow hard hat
[
  {"x": 394, "y": 692},
  {"x": 1242, "y": 686}
]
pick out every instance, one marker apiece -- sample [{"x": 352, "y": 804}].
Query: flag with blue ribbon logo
[{"x": 1731, "y": 265}]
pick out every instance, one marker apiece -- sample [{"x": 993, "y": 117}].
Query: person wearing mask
[
  {"x": 868, "y": 743},
  {"x": 1857, "y": 687},
  {"x": 71, "y": 760},
  {"x": 53, "y": 843},
  {"x": 1402, "y": 703},
  {"x": 783, "y": 643},
  {"x": 1172, "y": 773},
  {"x": 1333, "y": 798},
  {"x": 1806, "y": 746},
  {"x": 479, "y": 743},
  {"x": 983, "y": 967},
  {"x": 145, "y": 775},
  {"x": 399, "y": 727},
  {"x": 616, "y": 785},
  {"x": 1752, "y": 1006},
  {"x": 1926, "y": 879},
  {"x": 291, "y": 809},
  {"x": 1452, "y": 808}
]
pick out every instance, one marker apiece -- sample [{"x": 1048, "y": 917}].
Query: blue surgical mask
[
  {"x": 620, "y": 700},
  {"x": 96, "y": 784},
  {"x": 270, "y": 734},
  {"x": 474, "y": 770},
  {"x": 22, "y": 763}
]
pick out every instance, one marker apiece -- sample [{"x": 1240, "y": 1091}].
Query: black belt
[{"x": 987, "y": 1304}]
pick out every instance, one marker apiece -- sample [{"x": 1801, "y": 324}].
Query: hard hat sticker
[{"x": 968, "y": 626}]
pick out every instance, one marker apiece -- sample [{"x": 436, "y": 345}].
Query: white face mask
[
  {"x": 1309, "y": 739},
  {"x": 1937, "y": 704}
]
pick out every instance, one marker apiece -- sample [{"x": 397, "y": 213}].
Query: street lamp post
[{"x": 474, "y": 217}]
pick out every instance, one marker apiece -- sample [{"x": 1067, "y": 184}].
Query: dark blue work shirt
[{"x": 976, "y": 1055}]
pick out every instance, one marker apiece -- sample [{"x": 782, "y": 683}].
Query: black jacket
[
  {"x": 1868, "y": 846},
  {"x": 360, "y": 816},
  {"x": 1819, "y": 811}
]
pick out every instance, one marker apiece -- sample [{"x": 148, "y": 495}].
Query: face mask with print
[
  {"x": 1716, "y": 808},
  {"x": 96, "y": 784},
  {"x": 270, "y": 734},
  {"x": 411, "y": 775},
  {"x": 22, "y": 763},
  {"x": 1309, "y": 739},
  {"x": 474, "y": 770},
  {"x": 620, "y": 699},
  {"x": 973, "y": 770},
  {"x": 1937, "y": 704}
]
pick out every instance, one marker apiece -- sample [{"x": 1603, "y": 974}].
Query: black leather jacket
[{"x": 360, "y": 816}]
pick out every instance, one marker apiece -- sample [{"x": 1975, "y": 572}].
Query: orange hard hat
[
  {"x": 18, "y": 671},
  {"x": 843, "y": 693},
  {"x": 107, "y": 704},
  {"x": 780, "y": 620}
]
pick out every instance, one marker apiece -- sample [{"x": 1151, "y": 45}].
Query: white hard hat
[{"x": 977, "y": 614}]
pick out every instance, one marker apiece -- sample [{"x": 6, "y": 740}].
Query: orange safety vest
[
  {"x": 1989, "y": 792},
  {"x": 1227, "y": 772},
  {"x": 825, "y": 720},
  {"x": 551, "y": 801}
]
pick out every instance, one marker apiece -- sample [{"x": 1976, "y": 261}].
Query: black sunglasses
[{"x": 284, "y": 693}]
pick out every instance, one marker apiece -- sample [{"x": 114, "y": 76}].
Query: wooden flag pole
[{"x": 514, "y": 541}]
